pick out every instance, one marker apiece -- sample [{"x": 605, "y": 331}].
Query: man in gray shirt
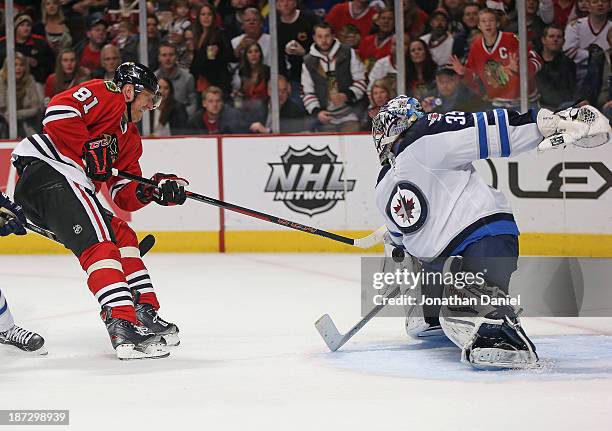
[{"x": 182, "y": 80}]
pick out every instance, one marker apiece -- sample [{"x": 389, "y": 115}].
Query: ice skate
[
  {"x": 497, "y": 346},
  {"x": 147, "y": 316},
  {"x": 23, "y": 339},
  {"x": 133, "y": 341}
]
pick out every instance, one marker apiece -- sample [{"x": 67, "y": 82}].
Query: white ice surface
[{"x": 250, "y": 358}]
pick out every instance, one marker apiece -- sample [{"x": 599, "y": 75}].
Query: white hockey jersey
[
  {"x": 433, "y": 201},
  {"x": 579, "y": 34}
]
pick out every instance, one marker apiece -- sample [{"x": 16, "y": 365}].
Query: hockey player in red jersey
[
  {"x": 493, "y": 61},
  {"x": 88, "y": 130}
]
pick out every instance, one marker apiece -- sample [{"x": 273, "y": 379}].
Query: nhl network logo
[{"x": 309, "y": 181}]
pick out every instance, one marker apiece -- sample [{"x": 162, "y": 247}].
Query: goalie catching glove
[
  {"x": 584, "y": 127},
  {"x": 170, "y": 190},
  {"x": 99, "y": 154}
]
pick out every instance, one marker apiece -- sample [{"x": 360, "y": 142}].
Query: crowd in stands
[{"x": 336, "y": 60}]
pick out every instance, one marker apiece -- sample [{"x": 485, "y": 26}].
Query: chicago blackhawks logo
[
  {"x": 112, "y": 87},
  {"x": 496, "y": 74},
  {"x": 309, "y": 181},
  {"x": 407, "y": 207}
]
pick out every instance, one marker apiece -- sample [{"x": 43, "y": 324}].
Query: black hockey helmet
[{"x": 141, "y": 77}]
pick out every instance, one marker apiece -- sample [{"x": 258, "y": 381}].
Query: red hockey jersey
[
  {"x": 491, "y": 67},
  {"x": 73, "y": 117}
]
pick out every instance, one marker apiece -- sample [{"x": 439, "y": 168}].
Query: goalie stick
[
  {"x": 144, "y": 246},
  {"x": 333, "y": 338},
  {"x": 365, "y": 242}
]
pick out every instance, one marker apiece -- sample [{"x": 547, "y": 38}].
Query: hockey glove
[
  {"x": 99, "y": 154},
  {"x": 12, "y": 217},
  {"x": 170, "y": 190}
]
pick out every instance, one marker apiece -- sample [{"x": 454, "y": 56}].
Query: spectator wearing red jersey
[
  {"x": 34, "y": 47},
  {"x": 415, "y": 19},
  {"x": 563, "y": 8},
  {"x": 378, "y": 45},
  {"x": 493, "y": 61},
  {"x": 356, "y": 12},
  {"x": 88, "y": 50},
  {"x": 67, "y": 74}
]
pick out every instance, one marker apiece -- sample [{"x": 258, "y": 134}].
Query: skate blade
[
  {"x": 42, "y": 351},
  {"x": 171, "y": 340},
  {"x": 434, "y": 331},
  {"x": 126, "y": 352},
  {"x": 494, "y": 359}
]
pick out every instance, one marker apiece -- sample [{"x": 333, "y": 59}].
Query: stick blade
[
  {"x": 328, "y": 331},
  {"x": 371, "y": 240},
  {"x": 146, "y": 244}
]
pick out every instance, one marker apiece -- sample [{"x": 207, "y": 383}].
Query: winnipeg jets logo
[
  {"x": 404, "y": 208},
  {"x": 433, "y": 117},
  {"x": 407, "y": 207}
]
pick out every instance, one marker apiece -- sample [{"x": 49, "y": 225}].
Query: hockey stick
[
  {"x": 333, "y": 338},
  {"x": 144, "y": 246},
  {"x": 365, "y": 242}
]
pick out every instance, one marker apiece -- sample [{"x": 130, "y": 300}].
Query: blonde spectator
[
  {"x": 381, "y": 93},
  {"x": 52, "y": 26},
  {"x": 29, "y": 97}
]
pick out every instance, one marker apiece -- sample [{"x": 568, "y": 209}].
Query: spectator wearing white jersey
[{"x": 584, "y": 35}]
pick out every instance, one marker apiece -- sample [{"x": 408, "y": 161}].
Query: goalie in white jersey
[{"x": 435, "y": 205}]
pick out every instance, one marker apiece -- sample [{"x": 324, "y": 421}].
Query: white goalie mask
[{"x": 393, "y": 119}]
